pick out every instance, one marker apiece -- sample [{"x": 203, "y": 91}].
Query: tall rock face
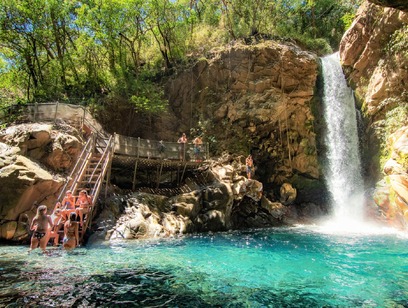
[
  {"x": 31, "y": 157},
  {"x": 228, "y": 201},
  {"x": 396, "y": 4},
  {"x": 258, "y": 99},
  {"x": 375, "y": 60}
]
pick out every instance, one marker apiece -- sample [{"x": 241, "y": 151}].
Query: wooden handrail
[
  {"x": 107, "y": 158},
  {"x": 105, "y": 152},
  {"x": 75, "y": 170}
]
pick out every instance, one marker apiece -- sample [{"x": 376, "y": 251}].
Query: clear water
[
  {"x": 343, "y": 171},
  {"x": 289, "y": 267}
]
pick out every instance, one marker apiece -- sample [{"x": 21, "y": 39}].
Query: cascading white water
[{"x": 343, "y": 171}]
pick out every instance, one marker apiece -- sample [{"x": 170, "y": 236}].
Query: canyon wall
[
  {"x": 374, "y": 56},
  {"x": 258, "y": 99}
]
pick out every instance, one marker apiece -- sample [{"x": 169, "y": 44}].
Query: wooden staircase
[{"x": 89, "y": 173}]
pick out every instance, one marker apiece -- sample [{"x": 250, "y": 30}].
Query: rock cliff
[
  {"x": 396, "y": 4},
  {"x": 374, "y": 57},
  {"x": 228, "y": 201},
  {"x": 33, "y": 159},
  {"x": 255, "y": 98}
]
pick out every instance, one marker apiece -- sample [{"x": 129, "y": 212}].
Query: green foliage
[
  {"x": 319, "y": 46},
  {"x": 396, "y": 118},
  {"x": 399, "y": 42},
  {"x": 88, "y": 50},
  {"x": 393, "y": 120},
  {"x": 348, "y": 19},
  {"x": 149, "y": 98}
]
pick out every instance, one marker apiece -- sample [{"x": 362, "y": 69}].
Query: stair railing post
[
  {"x": 83, "y": 117},
  {"x": 94, "y": 141},
  {"x": 56, "y": 111},
  {"x": 138, "y": 147},
  {"x": 111, "y": 153},
  {"x": 134, "y": 175},
  {"x": 35, "y": 111}
]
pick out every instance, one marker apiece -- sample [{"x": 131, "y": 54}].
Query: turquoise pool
[{"x": 285, "y": 267}]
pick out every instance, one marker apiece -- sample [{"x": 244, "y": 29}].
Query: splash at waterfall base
[{"x": 228, "y": 201}]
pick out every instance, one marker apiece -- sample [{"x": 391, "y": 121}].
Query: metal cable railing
[{"x": 154, "y": 149}]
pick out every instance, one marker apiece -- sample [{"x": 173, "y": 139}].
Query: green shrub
[{"x": 399, "y": 42}]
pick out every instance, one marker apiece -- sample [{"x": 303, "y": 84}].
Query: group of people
[
  {"x": 45, "y": 227},
  {"x": 197, "y": 143}
]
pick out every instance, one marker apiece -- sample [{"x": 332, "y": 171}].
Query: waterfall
[{"x": 343, "y": 170}]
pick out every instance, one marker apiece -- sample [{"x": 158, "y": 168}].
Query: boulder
[
  {"x": 30, "y": 154},
  {"x": 188, "y": 205},
  {"x": 212, "y": 220},
  {"x": 276, "y": 209},
  {"x": 253, "y": 189},
  {"x": 396, "y": 4},
  {"x": 399, "y": 184},
  {"x": 8, "y": 229},
  {"x": 287, "y": 194},
  {"x": 392, "y": 167},
  {"x": 44, "y": 143},
  {"x": 22, "y": 182}
]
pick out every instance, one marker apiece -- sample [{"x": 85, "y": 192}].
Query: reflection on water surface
[{"x": 294, "y": 267}]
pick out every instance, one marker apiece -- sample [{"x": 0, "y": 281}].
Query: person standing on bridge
[
  {"x": 161, "y": 148},
  {"x": 198, "y": 142},
  {"x": 182, "y": 146}
]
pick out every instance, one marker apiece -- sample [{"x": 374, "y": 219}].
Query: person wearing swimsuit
[
  {"x": 71, "y": 237},
  {"x": 68, "y": 204},
  {"x": 249, "y": 166},
  {"x": 41, "y": 225},
  {"x": 83, "y": 205},
  {"x": 58, "y": 219}
]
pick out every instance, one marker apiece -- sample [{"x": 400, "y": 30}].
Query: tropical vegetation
[{"x": 96, "y": 51}]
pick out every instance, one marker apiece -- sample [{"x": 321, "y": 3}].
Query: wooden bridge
[{"x": 103, "y": 150}]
